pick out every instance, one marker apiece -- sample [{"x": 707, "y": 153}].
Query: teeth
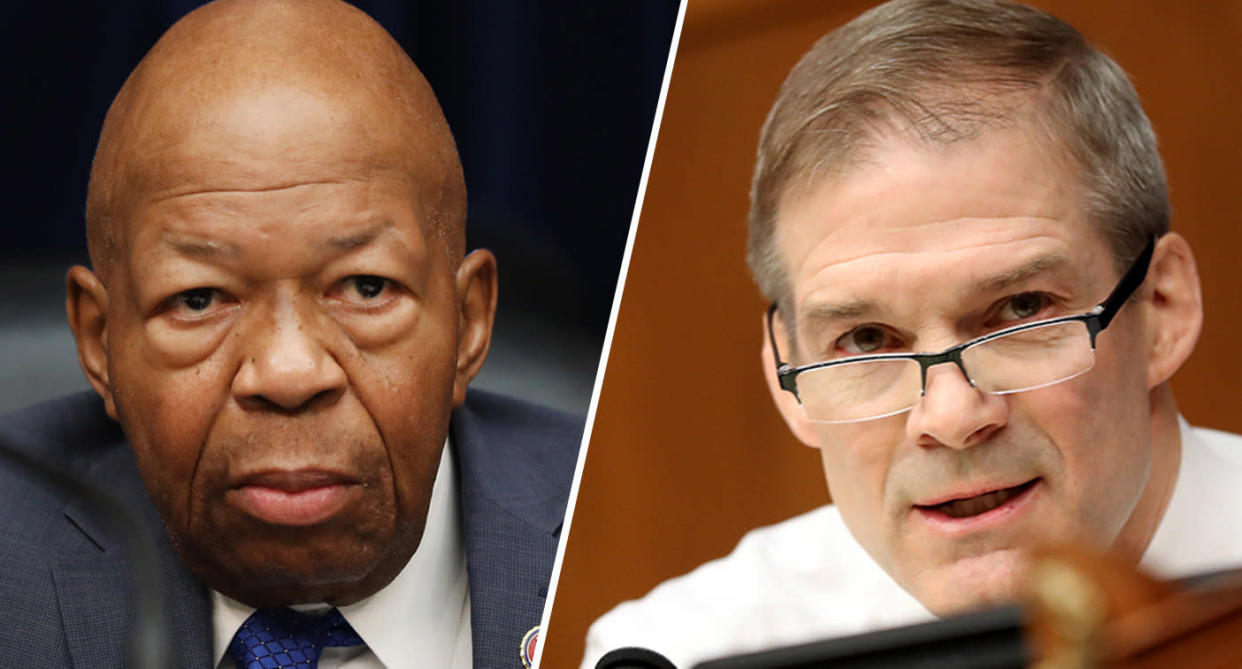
[{"x": 973, "y": 506}]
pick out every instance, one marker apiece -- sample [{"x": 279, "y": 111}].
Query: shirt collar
[
  {"x": 1198, "y": 531},
  {"x": 422, "y": 613}
]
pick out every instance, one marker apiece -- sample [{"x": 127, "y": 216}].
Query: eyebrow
[
  {"x": 860, "y": 308},
  {"x": 828, "y": 312},
  {"x": 354, "y": 240},
  {"x": 1031, "y": 268}
]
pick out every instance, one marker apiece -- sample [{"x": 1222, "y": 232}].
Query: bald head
[{"x": 265, "y": 94}]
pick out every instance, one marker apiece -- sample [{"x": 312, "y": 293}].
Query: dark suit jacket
[{"x": 65, "y": 595}]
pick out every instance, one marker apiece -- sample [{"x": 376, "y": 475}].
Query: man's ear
[
  {"x": 86, "y": 305},
  {"x": 476, "y": 312},
  {"x": 1175, "y": 308},
  {"x": 786, "y": 403}
]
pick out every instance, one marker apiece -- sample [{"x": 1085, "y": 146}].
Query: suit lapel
[
  {"x": 189, "y": 614},
  {"x": 505, "y": 558},
  {"x": 512, "y": 500},
  {"x": 95, "y": 608},
  {"x": 95, "y": 588}
]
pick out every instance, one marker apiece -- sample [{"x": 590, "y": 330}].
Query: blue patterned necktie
[{"x": 280, "y": 638}]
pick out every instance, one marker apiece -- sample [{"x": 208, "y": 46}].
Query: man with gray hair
[{"x": 960, "y": 218}]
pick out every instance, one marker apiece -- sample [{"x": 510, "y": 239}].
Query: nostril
[
  {"x": 981, "y": 435},
  {"x": 290, "y": 407},
  {"x": 268, "y": 405},
  {"x": 324, "y": 396}
]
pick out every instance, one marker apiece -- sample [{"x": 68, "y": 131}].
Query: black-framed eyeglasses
[{"x": 1012, "y": 360}]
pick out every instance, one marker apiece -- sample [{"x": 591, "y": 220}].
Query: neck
[{"x": 1166, "y": 444}]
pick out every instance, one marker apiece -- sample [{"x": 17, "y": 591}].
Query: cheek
[
  {"x": 1100, "y": 426},
  {"x": 408, "y": 383},
  {"x": 857, "y": 459},
  {"x": 409, "y": 400},
  {"x": 407, "y": 388},
  {"x": 167, "y": 413}
]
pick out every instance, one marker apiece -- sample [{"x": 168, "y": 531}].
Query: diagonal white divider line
[{"x": 612, "y": 324}]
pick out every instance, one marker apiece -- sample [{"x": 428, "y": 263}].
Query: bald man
[{"x": 280, "y": 325}]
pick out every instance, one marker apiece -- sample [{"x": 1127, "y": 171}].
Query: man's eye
[
  {"x": 862, "y": 340},
  {"x": 1023, "y": 306},
  {"x": 366, "y": 287},
  {"x": 197, "y": 300}
]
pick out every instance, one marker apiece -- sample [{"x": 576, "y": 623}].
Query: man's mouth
[
  {"x": 303, "y": 497},
  {"x": 967, "y": 507}
]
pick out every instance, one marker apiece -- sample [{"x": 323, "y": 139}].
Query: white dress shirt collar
[
  {"x": 422, "y": 618},
  {"x": 1198, "y": 532}
]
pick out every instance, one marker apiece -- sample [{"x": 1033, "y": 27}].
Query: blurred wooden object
[{"x": 1089, "y": 611}]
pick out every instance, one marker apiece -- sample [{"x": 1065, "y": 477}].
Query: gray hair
[{"x": 950, "y": 69}]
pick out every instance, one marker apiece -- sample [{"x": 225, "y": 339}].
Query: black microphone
[
  {"x": 987, "y": 639},
  {"x": 633, "y": 657}
]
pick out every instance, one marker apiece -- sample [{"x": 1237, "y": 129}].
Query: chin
[
  {"x": 290, "y": 571},
  {"x": 970, "y": 583},
  {"x": 277, "y": 584}
]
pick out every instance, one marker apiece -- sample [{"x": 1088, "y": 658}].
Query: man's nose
[
  {"x": 954, "y": 413},
  {"x": 287, "y": 364}
]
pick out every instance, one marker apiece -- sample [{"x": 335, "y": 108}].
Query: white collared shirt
[
  {"x": 807, "y": 578},
  {"x": 421, "y": 619}
]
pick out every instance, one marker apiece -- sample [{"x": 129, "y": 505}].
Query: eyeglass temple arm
[
  {"x": 1129, "y": 283},
  {"x": 776, "y": 354},
  {"x": 786, "y": 380}
]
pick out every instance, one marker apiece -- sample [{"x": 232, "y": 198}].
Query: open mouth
[{"x": 979, "y": 504}]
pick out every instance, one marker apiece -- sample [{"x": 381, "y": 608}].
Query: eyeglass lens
[{"x": 1022, "y": 360}]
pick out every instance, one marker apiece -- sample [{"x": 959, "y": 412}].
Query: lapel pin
[{"x": 529, "y": 641}]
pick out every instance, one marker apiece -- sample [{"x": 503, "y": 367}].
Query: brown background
[{"x": 687, "y": 452}]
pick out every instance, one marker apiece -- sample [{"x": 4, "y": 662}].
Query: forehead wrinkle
[
  {"x": 342, "y": 242},
  {"x": 862, "y": 307},
  {"x": 352, "y": 240},
  {"x": 826, "y": 312},
  {"x": 898, "y": 244},
  {"x": 242, "y": 189},
  {"x": 198, "y": 247}
]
